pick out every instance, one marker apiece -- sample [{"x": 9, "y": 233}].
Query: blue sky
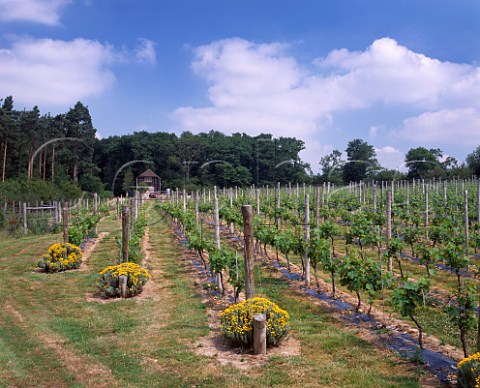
[{"x": 398, "y": 74}]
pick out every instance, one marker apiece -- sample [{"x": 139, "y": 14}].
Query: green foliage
[
  {"x": 411, "y": 236},
  {"x": 421, "y": 161},
  {"x": 31, "y": 190},
  {"x": 283, "y": 241},
  {"x": 91, "y": 183},
  {"x": 319, "y": 252},
  {"x": 75, "y": 234},
  {"x": 61, "y": 257},
  {"x": 407, "y": 298},
  {"x": 359, "y": 275},
  {"x": 218, "y": 259},
  {"x": 331, "y": 166},
  {"x": 361, "y": 231},
  {"x": 236, "y": 271},
  {"x": 84, "y": 223},
  {"x": 473, "y": 161},
  {"x": 454, "y": 256},
  {"x": 128, "y": 182},
  {"x": 198, "y": 242},
  {"x": 461, "y": 312},
  {"x": 361, "y": 161},
  {"x": 427, "y": 255}
]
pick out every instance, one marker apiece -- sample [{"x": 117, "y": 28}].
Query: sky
[{"x": 397, "y": 74}]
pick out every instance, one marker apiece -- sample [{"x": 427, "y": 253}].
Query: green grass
[{"x": 53, "y": 333}]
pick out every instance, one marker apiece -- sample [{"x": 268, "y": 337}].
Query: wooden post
[
  {"x": 123, "y": 285},
  {"x": 135, "y": 205},
  {"x": 278, "y": 195},
  {"x": 323, "y": 200},
  {"x": 259, "y": 335},
  {"x": 55, "y": 219},
  {"x": 426, "y": 213},
  {"x": 307, "y": 240},
  {"x": 257, "y": 199},
  {"x": 408, "y": 196},
  {"x": 216, "y": 226},
  {"x": 389, "y": 227},
  {"x": 25, "y": 219},
  {"x": 374, "y": 188},
  {"x": 196, "y": 207},
  {"x": 216, "y": 218},
  {"x": 465, "y": 198},
  {"x": 65, "y": 223},
  {"x": 124, "y": 255},
  {"x": 478, "y": 213},
  {"x": 247, "y": 214},
  {"x": 232, "y": 224},
  {"x": 95, "y": 209}
]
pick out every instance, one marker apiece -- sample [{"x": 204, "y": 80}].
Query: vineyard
[
  {"x": 379, "y": 281},
  {"x": 408, "y": 248}
]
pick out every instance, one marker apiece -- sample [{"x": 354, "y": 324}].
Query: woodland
[{"x": 60, "y": 156}]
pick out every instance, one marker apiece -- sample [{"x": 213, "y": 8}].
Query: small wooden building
[{"x": 151, "y": 180}]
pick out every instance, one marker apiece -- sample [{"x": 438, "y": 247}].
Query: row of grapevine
[{"x": 346, "y": 235}]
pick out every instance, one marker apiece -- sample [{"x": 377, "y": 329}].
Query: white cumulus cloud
[
  {"x": 449, "y": 126},
  {"x": 253, "y": 88},
  {"x": 145, "y": 51},
  {"x": 391, "y": 158},
  {"x": 57, "y": 72},
  {"x": 260, "y": 87},
  {"x": 37, "y": 11}
]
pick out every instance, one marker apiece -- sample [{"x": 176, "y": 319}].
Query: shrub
[
  {"x": 468, "y": 372},
  {"x": 109, "y": 283},
  {"x": 61, "y": 257},
  {"x": 237, "y": 321},
  {"x": 75, "y": 235}
]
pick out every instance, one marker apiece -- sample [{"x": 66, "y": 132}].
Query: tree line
[
  {"x": 361, "y": 164},
  {"x": 52, "y": 154},
  {"x": 60, "y": 155}
]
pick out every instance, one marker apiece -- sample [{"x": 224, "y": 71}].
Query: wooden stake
[
  {"x": 25, "y": 219},
  {"x": 247, "y": 214},
  {"x": 123, "y": 285},
  {"x": 465, "y": 198},
  {"x": 307, "y": 240},
  {"x": 65, "y": 223},
  {"x": 426, "y": 213},
  {"x": 124, "y": 256},
  {"x": 217, "y": 231},
  {"x": 389, "y": 227},
  {"x": 259, "y": 335}
]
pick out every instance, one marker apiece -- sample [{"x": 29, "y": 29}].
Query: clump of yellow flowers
[
  {"x": 109, "y": 283},
  {"x": 61, "y": 257},
  {"x": 236, "y": 321},
  {"x": 468, "y": 372}
]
